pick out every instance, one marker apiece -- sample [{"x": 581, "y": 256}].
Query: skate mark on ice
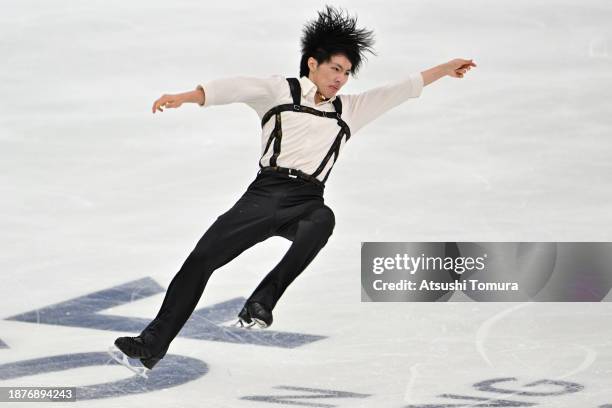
[
  {"x": 589, "y": 358},
  {"x": 485, "y": 328}
]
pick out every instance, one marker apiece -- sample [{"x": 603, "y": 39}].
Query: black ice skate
[
  {"x": 254, "y": 313},
  {"x": 135, "y": 348}
]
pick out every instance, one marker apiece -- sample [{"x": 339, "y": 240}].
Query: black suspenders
[{"x": 277, "y": 133}]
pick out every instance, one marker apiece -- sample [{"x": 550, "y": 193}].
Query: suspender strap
[
  {"x": 301, "y": 108},
  {"x": 338, "y": 106},
  {"x": 335, "y": 147},
  {"x": 296, "y": 90},
  {"x": 275, "y": 136},
  {"x": 335, "y": 150},
  {"x": 277, "y": 132}
]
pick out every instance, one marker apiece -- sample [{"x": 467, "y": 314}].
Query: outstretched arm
[
  {"x": 455, "y": 68},
  {"x": 258, "y": 93},
  {"x": 365, "y": 107},
  {"x": 174, "y": 101}
]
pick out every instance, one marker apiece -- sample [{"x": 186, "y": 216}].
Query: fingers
[
  {"x": 157, "y": 105},
  {"x": 468, "y": 63},
  {"x": 458, "y": 73},
  {"x": 465, "y": 66},
  {"x": 465, "y": 62},
  {"x": 166, "y": 101}
]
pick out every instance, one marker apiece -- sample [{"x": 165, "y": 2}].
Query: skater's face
[{"x": 329, "y": 76}]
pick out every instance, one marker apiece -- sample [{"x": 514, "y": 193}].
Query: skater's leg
[
  {"x": 309, "y": 234},
  {"x": 246, "y": 224}
]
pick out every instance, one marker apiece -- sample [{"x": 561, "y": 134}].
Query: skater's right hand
[{"x": 167, "y": 101}]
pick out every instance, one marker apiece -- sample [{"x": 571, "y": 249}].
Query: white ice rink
[{"x": 101, "y": 201}]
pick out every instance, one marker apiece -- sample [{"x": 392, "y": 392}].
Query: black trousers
[{"x": 273, "y": 205}]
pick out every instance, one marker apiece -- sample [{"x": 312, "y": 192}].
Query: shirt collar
[{"x": 308, "y": 86}]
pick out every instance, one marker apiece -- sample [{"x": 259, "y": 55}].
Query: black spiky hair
[{"x": 335, "y": 32}]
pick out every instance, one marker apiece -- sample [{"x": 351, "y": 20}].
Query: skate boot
[
  {"x": 244, "y": 319},
  {"x": 254, "y": 313},
  {"x": 136, "y": 348}
]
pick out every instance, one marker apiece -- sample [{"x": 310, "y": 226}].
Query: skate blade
[
  {"x": 260, "y": 323},
  {"x": 241, "y": 324},
  {"x": 122, "y": 359}
]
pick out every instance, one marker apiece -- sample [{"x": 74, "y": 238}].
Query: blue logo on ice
[
  {"x": 84, "y": 311},
  {"x": 169, "y": 373}
]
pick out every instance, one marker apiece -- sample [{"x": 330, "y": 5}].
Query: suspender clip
[
  {"x": 292, "y": 173},
  {"x": 296, "y": 108}
]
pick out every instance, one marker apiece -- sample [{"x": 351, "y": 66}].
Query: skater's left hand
[{"x": 458, "y": 67}]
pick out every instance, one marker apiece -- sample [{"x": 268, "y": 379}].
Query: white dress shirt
[{"x": 307, "y": 138}]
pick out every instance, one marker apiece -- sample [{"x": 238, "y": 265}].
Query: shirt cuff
[
  {"x": 209, "y": 94},
  {"x": 417, "y": 84},
  {"x": 201, "y": 88}
]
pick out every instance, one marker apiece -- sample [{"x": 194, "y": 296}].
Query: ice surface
[{"x": 98, "y": 193}]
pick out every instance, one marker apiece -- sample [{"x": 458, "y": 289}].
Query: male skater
[{"x": 305, "y": 125}]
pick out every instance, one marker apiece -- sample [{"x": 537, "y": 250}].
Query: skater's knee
[{"x": 324, "y": 220}]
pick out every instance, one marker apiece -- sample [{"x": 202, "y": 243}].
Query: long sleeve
[
  {"x": 259, "y": 93},
  {"x": 367, "y": 106}
]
